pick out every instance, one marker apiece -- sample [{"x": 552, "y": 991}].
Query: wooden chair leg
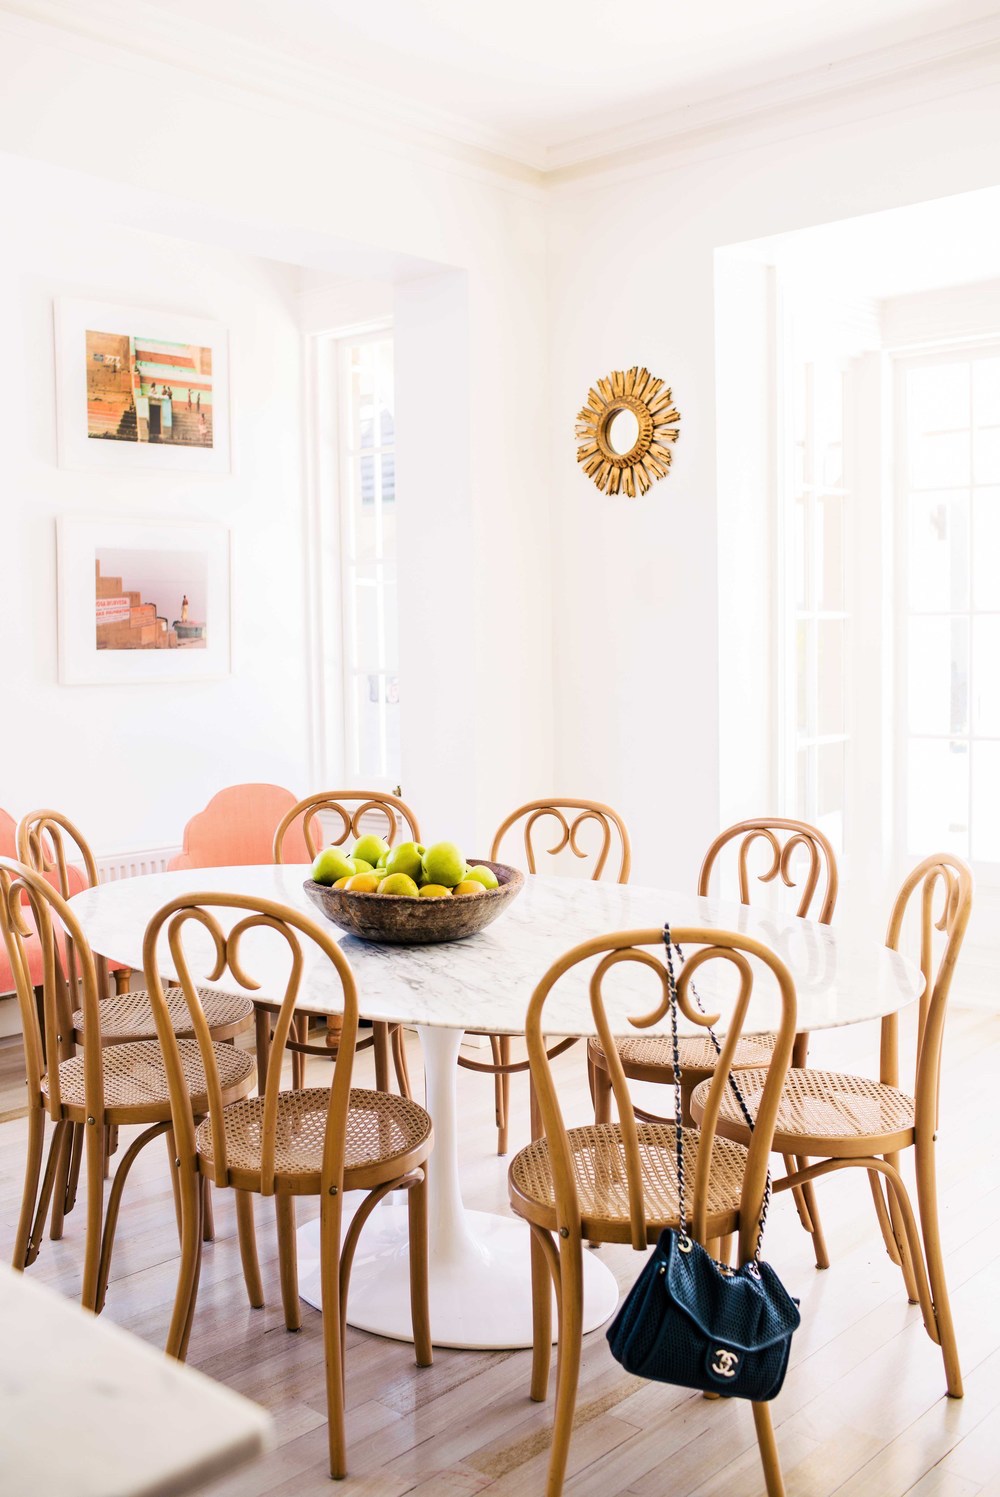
[
  {"x": 816, "y": 1227},
  {"x": 207, "y": 1211},
  {"x": 380, "y": 1050},
  {"x": 773, "y": 1479},
  {"x": 333, "y": 1343},
  {"x": 62, "y": 1164},
  {"x": 262, "y": 1039},
  {"x": 541, "y": 1314},
  {"x": 189, "y": 1195},
  {"x": 926, "y": 1171},
  {"x": 171, "y": 1144},
  {"x": 73, "y": 1175},
  {"x": 601, "y": 1091},
  {"x": 23, "y": 1242},
  {"x": 284, "y": 1213},
  {"x": 420, "y": 1310},
  {"x": 399, "y": 1061},
  {"x": 246, "y": 1228},
  {"x": 94, "y": 1146},
  {"x": 300, "y": 1030},
  {"x": 502, "y": 1092},
  {"x": 569, "y": 1350},
  {"x": 899, "y": 1235},
  {"x": 122, "y": 977}
]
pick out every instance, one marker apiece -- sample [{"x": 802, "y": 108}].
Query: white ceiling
[{"x": 547, "y": 72}]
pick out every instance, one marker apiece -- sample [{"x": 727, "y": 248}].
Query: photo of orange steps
[{"x": 125, "y": 622}]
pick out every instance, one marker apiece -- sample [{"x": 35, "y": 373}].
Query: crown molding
[
  {"x": 123, "y": 31},
  {"x": 946, "y": 62},
  {"x": 874, "y": 82}
]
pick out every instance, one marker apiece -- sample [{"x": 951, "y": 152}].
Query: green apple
[
  {"x": 404, "y": 859},
  {"x": 398, "y": 883},
  {"x": 483, "y": 875},
  {"x": 369, "y": 849},
  {"x": 331, "y": 865},
  {"x": 444, "y": 864},
  {"x": 360, "y": 866}
]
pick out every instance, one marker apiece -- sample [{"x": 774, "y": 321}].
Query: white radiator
[{"x": 117, "y": 865}]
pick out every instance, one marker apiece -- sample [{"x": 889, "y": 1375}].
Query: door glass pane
[
  {"x": 938, "y": 675},
  {"x": 986, "y": 392},
  {"x": 939, "y": 551},
  {"x": 831, "y": 764},
  {"x": 800, "y": 550},
  {"x": 937, "y": 397},
  {"x": 986, "y": 552},
  {"x": 941, "y": 460},
  {"x": 986, "y": 676},
  {"x": 986, "y": 801},
  {"x": 802, "y": 658},
  {"x": 831, "y": 710},
  {"x": 830, "y": 512},
  {"x": 937, "y": 797},
  {"x": 986, "y": 447}
]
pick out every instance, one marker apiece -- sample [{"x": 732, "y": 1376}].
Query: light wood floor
[{"x": 863, "y": 1411}]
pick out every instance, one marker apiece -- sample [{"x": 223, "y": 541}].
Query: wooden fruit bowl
[{"x": 405, "y": 920}]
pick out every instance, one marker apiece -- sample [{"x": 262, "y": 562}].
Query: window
[
  {"x": 368, "y": 551},
  {"x": 948, "y": 527},
  {"x": 814, "y": 611}
]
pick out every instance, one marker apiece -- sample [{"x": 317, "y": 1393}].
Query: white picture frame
[
  {"x": 118, "y": 408},
  {"x": 147, "y": 569}
]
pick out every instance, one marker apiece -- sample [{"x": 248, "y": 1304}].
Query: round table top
[{"x": 486, "y": 981}]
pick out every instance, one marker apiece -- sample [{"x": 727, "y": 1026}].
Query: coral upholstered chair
[
  {"x": 32, "y": 948},
  {"x": 237, "y": 829}
]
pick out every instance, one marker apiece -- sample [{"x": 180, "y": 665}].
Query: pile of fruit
[{"x": 437, "y": 872}]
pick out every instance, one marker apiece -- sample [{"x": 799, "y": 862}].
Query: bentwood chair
[
  {"x": 649, "y": 1058},
  {"x": 53, "y": 847},
  {"x": 617, "y": 1182},
  {"x": 331, "y": 819},
  {"x": 320, "y": 1142},
  {"x": 613, "y": 839},
  {"x": 106, "y": 1087},
  {"x": 845, "y": 1121}
]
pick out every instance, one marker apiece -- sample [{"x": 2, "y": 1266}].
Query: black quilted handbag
[{"x": 692, "y": 1321}]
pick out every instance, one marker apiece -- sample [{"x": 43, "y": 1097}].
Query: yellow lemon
[
  {"x": 398, "y": 883},
  {"x": 468, "y": 886},
  {"x": 343, "y": 882},
  {"x": 362, "y": 883},
  {"x": 435, "y": 891}
]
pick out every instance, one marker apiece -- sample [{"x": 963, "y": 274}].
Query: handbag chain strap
[{"x": 670, "y": 947}]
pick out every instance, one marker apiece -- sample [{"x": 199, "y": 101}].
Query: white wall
[
  {"x": 636, "y": 591},
  {"x": 131, "y": 763},
  {"x": 311, "y": 189}
]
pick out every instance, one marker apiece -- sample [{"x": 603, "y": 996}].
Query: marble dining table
[{"x": 480, "y": 1293}]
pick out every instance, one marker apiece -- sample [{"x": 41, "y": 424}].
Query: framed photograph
[
  {"x": 142, "y": 601},
  {"x": 141, "y": 390}
]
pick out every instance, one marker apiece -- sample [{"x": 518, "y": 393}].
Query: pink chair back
[{"x": 237, "y": 828}]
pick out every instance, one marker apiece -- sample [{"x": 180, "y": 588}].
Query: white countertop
[
  {"x": 89, "y": 1410},
  {"x": 487, "y": 980}
]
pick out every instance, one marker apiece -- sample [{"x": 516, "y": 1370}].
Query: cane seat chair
[
  {"x": 49, "y": 843},
  {"x": 845, "y": 1121},
  {"x": 330, "y": 819},
  {"x": 551, "y": 818},
  {"x": 87, "y": 1095},
  {"x": 617, "y": 1182},
  {"x": 318, "y": 1142},
  {"x": 649, "y": 1058}
]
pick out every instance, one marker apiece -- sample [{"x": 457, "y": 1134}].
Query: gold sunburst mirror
[{"x": 625, "y": 431}]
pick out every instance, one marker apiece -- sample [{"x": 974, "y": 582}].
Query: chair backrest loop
[
  {"x": 783, "y": 839},
  {"x": 347, "y": 808},
  {"x": 703, "y": 948},
  {"x": 301, "y": 936},
  {"x": 537, "y": 813}
]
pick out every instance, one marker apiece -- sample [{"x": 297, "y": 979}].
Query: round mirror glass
[{"x": 623, "y": 432}]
